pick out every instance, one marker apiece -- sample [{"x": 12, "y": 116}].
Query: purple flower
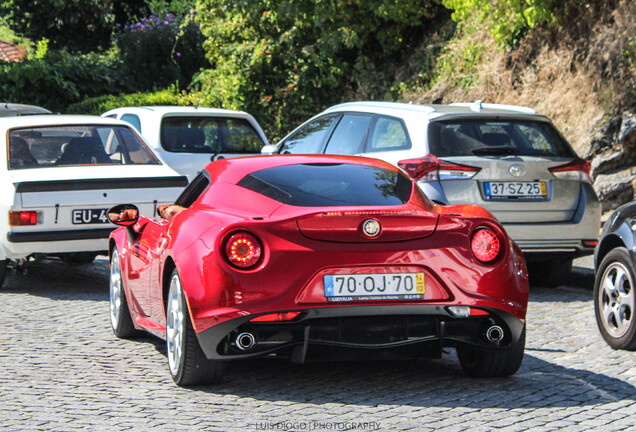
[{"x": 178, "y": 54}]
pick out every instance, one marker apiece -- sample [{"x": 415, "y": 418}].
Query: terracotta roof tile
[{"x": 11, "y": 52}]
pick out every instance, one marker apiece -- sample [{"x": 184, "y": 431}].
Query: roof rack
[{"x": 477, "y": 106}]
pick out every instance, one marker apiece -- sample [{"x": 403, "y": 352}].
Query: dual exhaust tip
[
  {"x": 246, "y": 341},
  {"x": 494, "y": 333}
]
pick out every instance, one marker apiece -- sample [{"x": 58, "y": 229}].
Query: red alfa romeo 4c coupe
[{"x": 317, "y": 258}]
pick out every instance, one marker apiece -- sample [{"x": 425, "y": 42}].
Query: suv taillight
[
  {"x": 578, "y": 169},
  {"x": 430, "y": 168}
]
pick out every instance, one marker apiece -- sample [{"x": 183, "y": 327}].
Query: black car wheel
[
  {"x": 3, "y": 271},
  {"x": 486, "y": 363},
  {"x": 614, "y": 299}
]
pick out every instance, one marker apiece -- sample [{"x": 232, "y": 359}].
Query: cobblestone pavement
[{"x": 62, "y": 369}]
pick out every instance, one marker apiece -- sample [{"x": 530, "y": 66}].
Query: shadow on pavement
[
  {"x": 581, "y": 277},
  {"x": 563, "y": 293},
  {"x": 58, "y": 280},
  {"x": 427, "y": 382},
  {"x": 439, "y": 383}
]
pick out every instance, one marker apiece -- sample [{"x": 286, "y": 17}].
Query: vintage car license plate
[
  {"x": 89, "y": 216},
  {"x": 515, "y": 189},
  {"x": 386, "y": 286}
]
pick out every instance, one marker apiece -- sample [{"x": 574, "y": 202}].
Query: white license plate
[
  {"x": 89, "y": 216},
  {"x": 386, "y": 286},
  {"x": 515, "y": 189}
]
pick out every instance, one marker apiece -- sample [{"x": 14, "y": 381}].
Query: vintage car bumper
[{"x": 22, "y": 244}]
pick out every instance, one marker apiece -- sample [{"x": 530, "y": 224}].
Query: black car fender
[{"x": 618, "y": 232}]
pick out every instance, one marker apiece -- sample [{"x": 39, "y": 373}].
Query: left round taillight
[
  {"x": 243, "y": 250},
  {"x": 485, "y": 245}
]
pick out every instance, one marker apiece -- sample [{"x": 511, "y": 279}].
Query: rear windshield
[
  {"x": 496, "y": 137},
  {"x": 209, "y": 135},
  {"x": 49, "y": 146},
  {"x": 317, "y": 185}
]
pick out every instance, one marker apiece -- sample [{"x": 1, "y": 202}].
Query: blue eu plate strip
[
  {"x": 487, "y": 188},
  {"x": 329, "y": 287}
]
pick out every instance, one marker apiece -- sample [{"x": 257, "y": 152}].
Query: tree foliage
[
  {"x": 161, "y": 50},
  {"x": 508, "y": 20},
  {"x": 59, "y": 79},
  {"x": 100, "y": 104},
  {"x": 74, "y": 25},
  {"x": 174, "y": 7},
  {"x": 285, "y": 59}
]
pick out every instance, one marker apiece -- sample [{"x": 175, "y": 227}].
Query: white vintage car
[
  {"x": 60, "y": 174},
  {"x": 189, "y": 138}
]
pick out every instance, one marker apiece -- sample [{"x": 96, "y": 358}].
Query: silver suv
[{"x": 508, "y": 159}]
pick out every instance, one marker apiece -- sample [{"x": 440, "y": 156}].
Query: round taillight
[
  {"x": 485, "y": 245},
  {"x": 243, "y": 250}
]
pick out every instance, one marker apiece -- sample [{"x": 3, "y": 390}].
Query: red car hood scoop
[{"x": 355, "y": 226}]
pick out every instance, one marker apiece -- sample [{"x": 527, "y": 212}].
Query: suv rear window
[
  {"x": 339, "y": 185},
  {"x": 48, "y": 146},
  {"x": 209, "y": 135},
  {"x": 496, "y": 137}
]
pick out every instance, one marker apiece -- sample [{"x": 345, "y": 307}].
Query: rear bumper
[
  {"x": 544, "y": 249},
  {"x": 56, "y": 236},
  {"x": 21, "y": 245},
  {"x": 547, "y": 239},
  {"x": 564, "y": 239},
  {"x": 354, "y": 332},
  {"x": 557, "y": 239}
]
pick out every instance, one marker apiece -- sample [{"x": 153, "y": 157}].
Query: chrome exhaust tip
[
  {"x": 494, "y": 333},
  {"x": 245, "y": 341}
]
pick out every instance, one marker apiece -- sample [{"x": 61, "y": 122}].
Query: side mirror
[
  {"x": 269, "y": 149},
  {"x": 124, "y": 214}
]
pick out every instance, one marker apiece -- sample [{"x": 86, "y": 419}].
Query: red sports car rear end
[{"x": 319, "y": 258}]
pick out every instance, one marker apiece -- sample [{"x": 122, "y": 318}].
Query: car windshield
[
  {"x": 215, "y": 135},
  {"x": 50, "y": 146},
  {"x": 496, "y": 137},
  {"x": 327, "y": 184}
]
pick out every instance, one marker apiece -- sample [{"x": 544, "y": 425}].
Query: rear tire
[
  {"x": 188, "y": 364},
  {"x": 78, "y": 258},
  {"x": 3, "y": 271},
  {"x": 120, "y": 320},
  {"x": 485, "y": 363},
  {"x": 550, "y": 273}
]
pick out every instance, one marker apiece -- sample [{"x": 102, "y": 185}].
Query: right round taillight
[
  {"x": 243, "y": 250},
  {"x": 485, "y": 245}
]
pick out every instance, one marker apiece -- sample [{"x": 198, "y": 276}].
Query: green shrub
[
  {"x": 158, "y": 51},
  {"x": 508, "y": 20},
  {"x": 458, "y": 65},
  {"x": 101, "y": 104},
  {"x": 59, "y": 79},
  {"x": 285, "y": 60},
  {"x": 72, "y": 25}
]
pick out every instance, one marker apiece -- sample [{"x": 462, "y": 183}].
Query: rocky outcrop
[{"x": 612, "y": 151}]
